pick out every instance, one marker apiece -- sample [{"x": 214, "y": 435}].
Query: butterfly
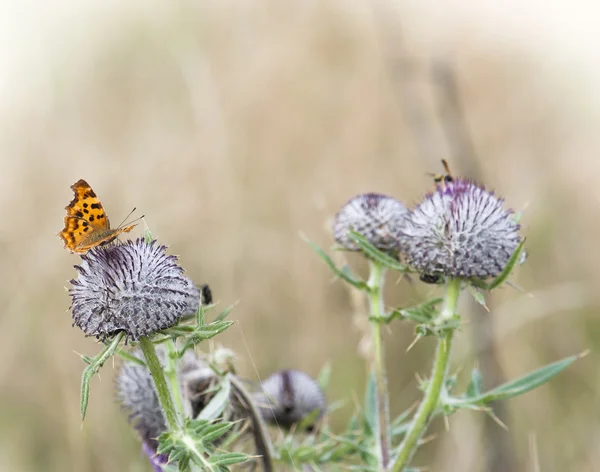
[{"x": 86, "y": 223}]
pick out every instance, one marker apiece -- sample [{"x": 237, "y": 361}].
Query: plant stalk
[
  {"x": 436, "y": 383},
  {"x": 172, "y": 371},
  {"x": 162, "y": 389},
  {"x": 377, "y": 313}
]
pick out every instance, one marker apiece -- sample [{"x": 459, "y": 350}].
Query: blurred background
[{"x": 236, "y": 125}]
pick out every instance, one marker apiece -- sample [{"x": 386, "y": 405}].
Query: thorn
[
  {"x": 583, "y": 354},
  {"x": 517, "y": 287},
  {"x": 427, "y": 439},
  {"x": 492, "y": 415},
  {"x": 411, "y": 345}
]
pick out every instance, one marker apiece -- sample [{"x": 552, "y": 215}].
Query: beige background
[{"x": 233, "y": 126}]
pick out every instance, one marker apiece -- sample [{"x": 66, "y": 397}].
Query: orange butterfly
[{"x": 86, "y": 223}]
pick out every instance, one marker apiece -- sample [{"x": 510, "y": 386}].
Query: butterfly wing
[
  {"x": 99, "y": 238},
  {"x": 86, "y": 207},
  {"x": 86, "y": 223}
]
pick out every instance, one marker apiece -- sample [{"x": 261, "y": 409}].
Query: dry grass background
[{"x": 234, "y": 126}]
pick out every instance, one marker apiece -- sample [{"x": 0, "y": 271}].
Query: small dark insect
[
  {"x": 431, "y": 278},
  {"x": 444, "y": 178},
  {"x": 206, "y": 297}
]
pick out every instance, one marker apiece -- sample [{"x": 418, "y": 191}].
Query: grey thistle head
[
  {"x": 288, "y": 397},
  {"x": 136, "y": 395},
  {"x": 377, "y": 217},
  {"x": 460, "y": 230},
  {"x": 134, "y": 287}
]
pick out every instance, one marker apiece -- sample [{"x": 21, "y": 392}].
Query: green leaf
[
  {"x": 401, "y": 423},
  {"x": 512, "y": 262},
  {"x": 200, "y": 316},
  {"x": 529, "y": 381},
  {"x": 215, "y": 432},
  {"x": 309, "y": 420},
  {"x": 375, "y": 254},
  {"x": 371, "y": 406},
  {"x": 130, "y": 357},
  {"x": 343, "y": 274},
  {"x": 94, "y": 366},
  {"x": 148, "y": 235},
  {"x": 225, "y": 313},
  {"x": 217, "y": 404},
  {"x": 518, "y": 386},
  {"x": 477, "y": 295},
  {"x": 422, "y": 313},
  {"x": 475, "y": 385},
  {"x": 229, "y": 458},
  {"x": 202, "y": 333},
  {"x": 325, "y": 376}
]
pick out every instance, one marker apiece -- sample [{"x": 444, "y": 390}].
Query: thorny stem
[
  {"x": 162, "y": 389},
  {"x": 377, "y": 313},
  {"x": 438, "y": 377}
]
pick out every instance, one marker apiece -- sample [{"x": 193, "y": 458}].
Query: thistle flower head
[
  {"x": 460, "y": 230},
  {"x": 134, "y": 287},
  {"x": 377, "y": 217},
  {"x": 136, "y": 394},
  {"x": 288, "y": 397}
]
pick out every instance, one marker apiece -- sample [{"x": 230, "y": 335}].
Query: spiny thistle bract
[
  {"x": 460, "y": 230},
  {"x": 377, "y": 217},
  {"x": 133, "y": 287}
]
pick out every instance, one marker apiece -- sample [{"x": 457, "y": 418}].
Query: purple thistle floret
[
  {"x": 156, "y": 460},
  {"x": 460, "y": 230},
  {"x": 376, "y": 217},
  {"x": 134, "y": 287}
]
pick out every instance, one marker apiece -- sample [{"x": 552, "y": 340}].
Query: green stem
[
  {"x": 162, "y": 389},
  {"x": 173, "y": 378},
  {"x": 436, "y": 383},
  {"x": 377, "y": 313}
]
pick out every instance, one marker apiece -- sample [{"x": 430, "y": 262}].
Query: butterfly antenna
[{"x": 132, "y": 221}]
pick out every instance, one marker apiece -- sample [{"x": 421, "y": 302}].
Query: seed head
[
  {"x": 460, "y": 230},
  {"x": 377, "y": 217},
  {"x": 133, "y": 287}
]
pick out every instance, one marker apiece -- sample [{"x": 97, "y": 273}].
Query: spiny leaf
[
  {"x": 225, "y": 313},
  {"x": 422, "y": 313},
  {"x": 475, "y": 385},
  {"x": 477, "y": 296},
  {"x": 512, "y": 262},
  {"x": 343, "y": 273},
  {"x": 377, "y": 255},
  {"x": 518, "y": 386},
  {"x": 229, "y": 458},
  {"x": 94, "y": 366}
]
